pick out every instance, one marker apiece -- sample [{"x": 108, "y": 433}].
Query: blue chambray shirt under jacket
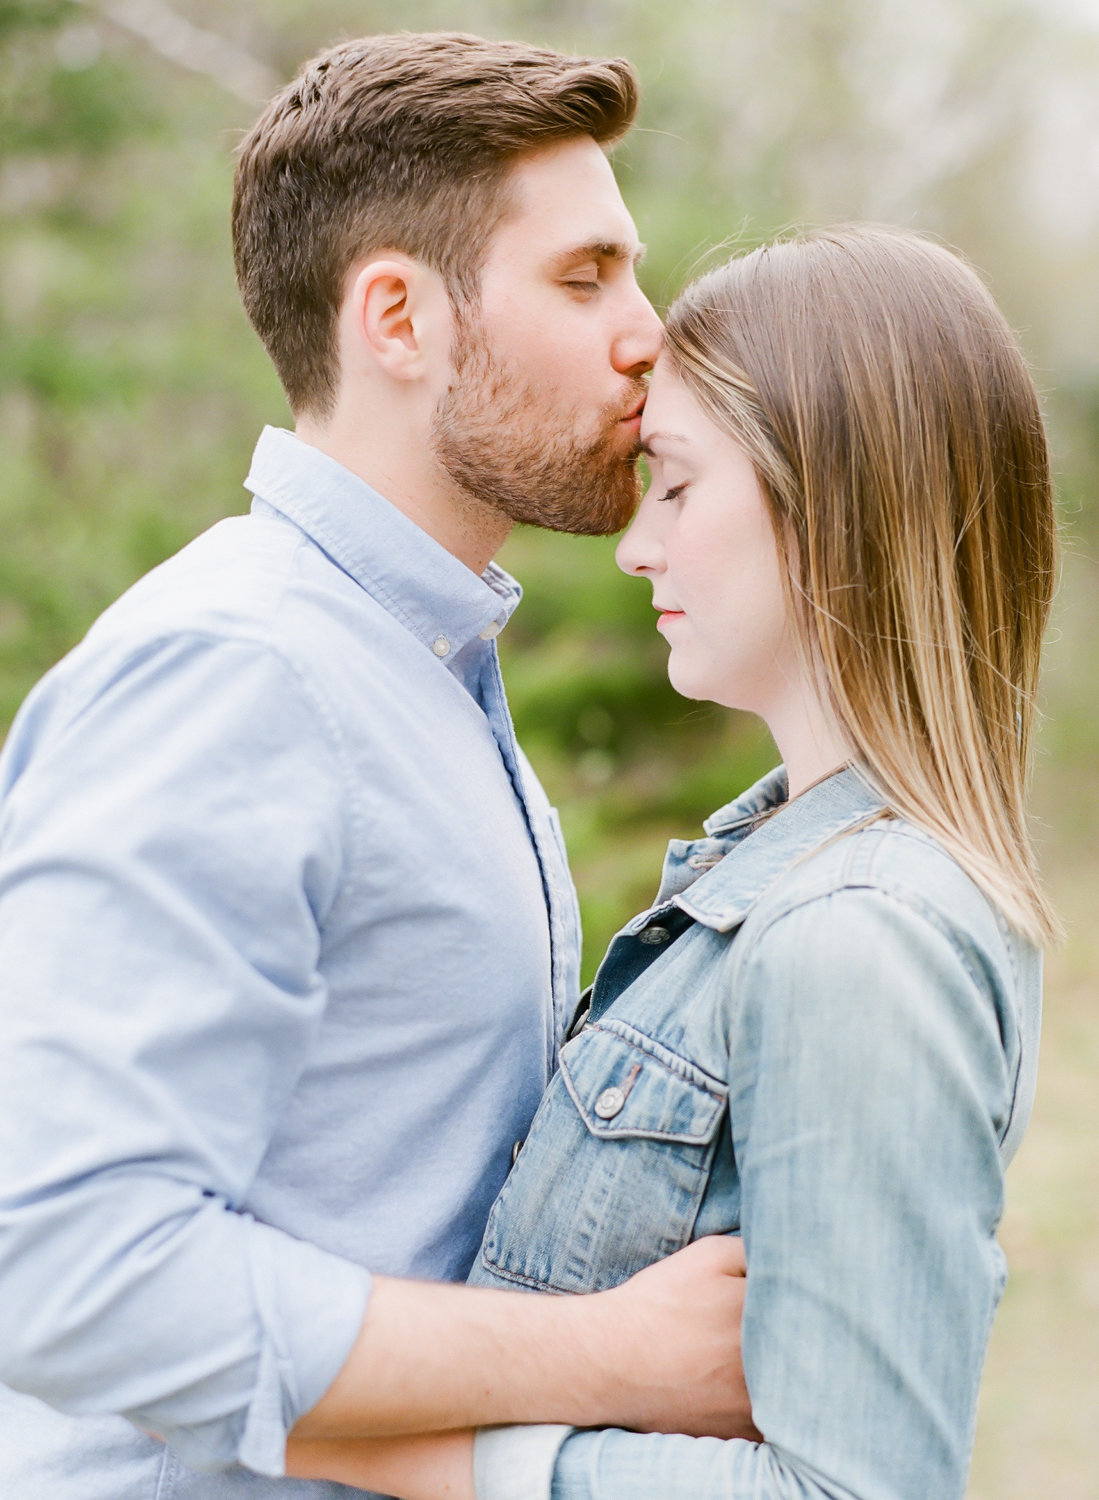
[{"x": 287, "y": 940}]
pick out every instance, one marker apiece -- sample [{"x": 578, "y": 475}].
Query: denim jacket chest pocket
[{"x": 614, "y": 1170}]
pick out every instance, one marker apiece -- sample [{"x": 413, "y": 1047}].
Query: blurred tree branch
[{"x": 180, "y": 41}]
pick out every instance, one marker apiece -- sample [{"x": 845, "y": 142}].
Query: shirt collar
[
  {"x": 716, "y": 880},
  {"x": 436, "y": 597}
]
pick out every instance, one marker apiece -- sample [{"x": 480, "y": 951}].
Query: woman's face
[{"x": 704, "y": 539}]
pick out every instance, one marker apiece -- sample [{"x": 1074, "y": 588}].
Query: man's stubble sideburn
[{"x": 489, "y": 436}]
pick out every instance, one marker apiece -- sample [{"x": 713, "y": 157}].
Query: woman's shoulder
[
  {"x": 886, "y": 907},
  {"x": 891, "y": 855},
  {"x": 838, "y": 856},
  {"x": 836, "y": 904},
  {"x": 900, "y": 863},
  {"x": 891, "y": 873},
  {"x": 882, "y": 928}
]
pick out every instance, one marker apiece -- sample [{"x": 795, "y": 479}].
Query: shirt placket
[{"x": 558, "y": 903}]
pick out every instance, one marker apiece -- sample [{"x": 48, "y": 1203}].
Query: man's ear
[{"x": 400, "y": 316}]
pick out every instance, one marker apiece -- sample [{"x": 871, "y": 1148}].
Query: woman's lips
[{"x": 667, "y": 615}]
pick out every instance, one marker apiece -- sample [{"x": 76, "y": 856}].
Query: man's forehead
[{"x": 570, "y": 187}]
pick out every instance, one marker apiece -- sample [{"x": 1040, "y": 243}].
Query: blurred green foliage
[
  {"x": 131, "y": 388},
  {"x": 131, "y": 391}
]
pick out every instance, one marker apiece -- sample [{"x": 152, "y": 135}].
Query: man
[{"x": 286, "y": 931}]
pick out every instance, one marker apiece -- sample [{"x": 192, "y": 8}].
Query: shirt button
[
  {"x": 515, "y": 1150},
  {"x": 441, "y": 646},
  {"x": 610, "y": 1101},
  {"x": 491, "y": 630},
  {"x": 654, "y": 936}
]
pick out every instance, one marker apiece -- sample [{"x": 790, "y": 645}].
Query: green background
[{"x": 131, "y": 391}]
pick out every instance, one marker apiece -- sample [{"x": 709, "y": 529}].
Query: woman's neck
[{"x": 809, "y": 738}]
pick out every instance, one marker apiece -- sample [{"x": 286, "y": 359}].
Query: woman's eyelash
[{"x": 672, "y": 494}]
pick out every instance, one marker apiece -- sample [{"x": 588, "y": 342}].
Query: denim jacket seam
[
  {"x": 889, "y": 889},
  {"x": 688, "y": 1070},
  {"x": 517, "y": 1276},
  {"x": 846, "y": 830},
  {"x": 925, "y": 912}
]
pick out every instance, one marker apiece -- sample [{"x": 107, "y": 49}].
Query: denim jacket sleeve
[{"x": 869, "y": 1092}]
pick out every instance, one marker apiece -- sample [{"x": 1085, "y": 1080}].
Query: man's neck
[{"x": 469, "y": 529}]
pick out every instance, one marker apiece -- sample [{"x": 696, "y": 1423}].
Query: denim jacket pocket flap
[{"x": 627, "y": 1085}]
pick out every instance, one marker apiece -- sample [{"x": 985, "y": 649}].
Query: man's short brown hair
[{"x": 396, "y": 142}]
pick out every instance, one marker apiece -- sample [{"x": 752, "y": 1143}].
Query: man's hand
[
  {"x": 675, "y": 1330},
  {"x": 659, "y": 1353}
]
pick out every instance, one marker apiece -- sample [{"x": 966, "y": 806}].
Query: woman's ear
[{"x": 396, "y": 309}]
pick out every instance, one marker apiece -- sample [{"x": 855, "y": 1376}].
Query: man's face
[{"x": 542, "y": 416}]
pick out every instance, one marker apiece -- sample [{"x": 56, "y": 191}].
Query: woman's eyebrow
[{"x": 659, "y": 437}]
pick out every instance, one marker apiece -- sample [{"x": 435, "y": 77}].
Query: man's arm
[
  {"x": 659, "y": 1353},
  {"x": 431, "y": 1466},
  {"x": 171, "y": 841}
]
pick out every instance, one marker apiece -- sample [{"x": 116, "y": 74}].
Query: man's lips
[{"x": 632, "y": 417}]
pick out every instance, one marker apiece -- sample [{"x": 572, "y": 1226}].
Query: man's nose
[{"x": 638, "y": 346}]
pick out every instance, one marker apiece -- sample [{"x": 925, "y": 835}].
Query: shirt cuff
[
  {"x": 312, "y": 1306},
  {"x": 516, "y": 1463},
  {"x": 309, "y": 1307}
]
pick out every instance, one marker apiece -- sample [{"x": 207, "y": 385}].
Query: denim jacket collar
[
  {"x": 436, "y": 597},
  {"x": 717, "y": 880}
]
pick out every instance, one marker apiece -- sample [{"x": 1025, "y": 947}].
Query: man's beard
[{"x": 485, "y": 435}]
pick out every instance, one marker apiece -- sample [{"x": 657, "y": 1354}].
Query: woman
[{"x": 823, "y": 1033}]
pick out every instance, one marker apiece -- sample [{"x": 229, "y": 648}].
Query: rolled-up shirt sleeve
[
  {"x": 869, "y": 1092},
  {"x": 171, "y": 840}
]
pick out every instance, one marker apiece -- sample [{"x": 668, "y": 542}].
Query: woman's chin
[{"x": 686, "y": 683}]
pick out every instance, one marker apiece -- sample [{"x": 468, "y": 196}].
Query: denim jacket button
[
  {"x": 608, "y": 1104},
  {"x": 515, "y": 1150},
  {"x": 654, "y": 936}
]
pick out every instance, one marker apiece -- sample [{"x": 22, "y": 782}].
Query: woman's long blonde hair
[{"x": 898, "y": 439}]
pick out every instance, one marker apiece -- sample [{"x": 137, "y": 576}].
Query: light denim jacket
[{"x": 823, "y": 1037}]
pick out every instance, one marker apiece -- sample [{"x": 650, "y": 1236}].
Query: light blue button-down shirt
[{"x": 287, "y": 939}]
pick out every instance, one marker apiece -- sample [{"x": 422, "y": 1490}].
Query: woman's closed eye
[{"x": 673, "y": 493}]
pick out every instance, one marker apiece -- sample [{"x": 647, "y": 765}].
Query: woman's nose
[{"x": 640, "y": 551}]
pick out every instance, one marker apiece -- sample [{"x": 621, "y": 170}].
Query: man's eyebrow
[
  {"x": 659, "y": 437},
  {"x": 616, "y": 250}
]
